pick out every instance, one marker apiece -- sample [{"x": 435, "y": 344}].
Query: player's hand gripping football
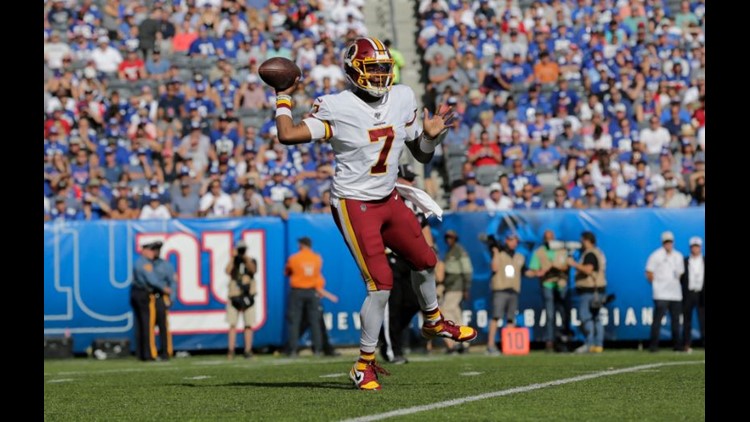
[
  {"x": 439, "y": 122},
  {"x": 290, "y": 90}
]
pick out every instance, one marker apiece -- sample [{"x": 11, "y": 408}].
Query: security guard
[
  {"x": 146, "y": 281},
  {"x": 165, "y": 273}
]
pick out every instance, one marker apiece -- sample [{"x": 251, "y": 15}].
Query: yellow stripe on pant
[
  {"x": 168, "y": 334},
  {"x": 355, "y": 246},
  {"x": 151, "y": 325}
]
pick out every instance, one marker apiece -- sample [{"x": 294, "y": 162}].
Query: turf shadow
[{"x": 297, "y": 384}]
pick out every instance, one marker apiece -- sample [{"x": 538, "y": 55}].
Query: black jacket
[{"x": 684, "y": 280}]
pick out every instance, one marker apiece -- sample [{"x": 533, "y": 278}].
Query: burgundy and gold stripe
[
  {"x": 329, "y": 132},
  {"x": 284, "y": 103}
]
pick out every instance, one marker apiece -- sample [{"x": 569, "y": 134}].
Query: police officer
[
  {"x": 590, "y": 284},
  {"x": 165, "y": 274},
  {"x": 146, "y": 282}
]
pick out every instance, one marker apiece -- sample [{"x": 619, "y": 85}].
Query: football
[{"x": 279, "y": 72}]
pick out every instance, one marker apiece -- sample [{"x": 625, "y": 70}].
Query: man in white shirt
[
  {"x": 654, "y": 137},
  {"x": 326, "y": 69},
  {"x": 664, "y": 268},
  {"x": 55, "y": 50},
  {"x": 693, "y": 291},
  {"x": 155, "y": 210},
  {"x": 497, "y": 201},
  {"x": 216, "y": 203},
  {"x": 106, "y": 58}
]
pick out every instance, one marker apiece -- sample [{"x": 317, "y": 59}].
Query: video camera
[{"x": 571, "y": 246}]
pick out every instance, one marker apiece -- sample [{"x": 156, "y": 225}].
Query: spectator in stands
[
  {"x": 520, "y": 178},
  {"x": 442, "y": 48},
  {"x": 527, "y": 200},
  {"x": 546, "y": 71},
  {"x": 288, "y": 205},
  {"x": 55, "y": 50},
  {"x": 485, "y": 153},
  {"x": 326, "y": 69},
  {"x": 469, "y": 181},
  {"x": 471, "y": 203},
  {"x": 498, "y": 201},
  {"x": 204, "y": 46},
  {"x": 154, "y": 209},
  {"x": 215, "y": 203},
  {"x": 186, "y": 203},
  {"x": 560, "y": 199},
  {"x": 106, "y": 58},
  {"x": 156, "y": 66},
  {"x": 249, "y": 201},
  {"x": 655, "y": 137},
  {"x": 547, "y": 156},
  {"x": 132, "y": 68}
]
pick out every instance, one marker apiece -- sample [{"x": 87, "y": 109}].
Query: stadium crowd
[
  {"x": 568, "y": 103},
  {"x": 153, "y": 109}
]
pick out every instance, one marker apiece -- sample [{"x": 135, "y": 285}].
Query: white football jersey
[{"x": 367, "y": 139}]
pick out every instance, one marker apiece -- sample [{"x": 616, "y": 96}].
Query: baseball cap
[
  {"x": 667, "y": 236},
  {"x": 153, "y": 197},
  {"x": 195, "y": 125},
  {"x": 252, "y": 78},
  {"x": 471, "y": 175},
  {"x": 495, "y": 186},
  {"x": 241, "y": 244},
  {"x": 696, "y": 240},
  {"x": 405, "y": 171},
  {"x": 451, "y": 233},
  {"x": 470, "y": 189}
]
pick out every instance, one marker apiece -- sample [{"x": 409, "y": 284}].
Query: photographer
[
  {"x": 549, "y": 263},
  {"x": 507, "y": 267},
  {"x": 590, "y": 283},
  {"x": 242, "y": 288}
]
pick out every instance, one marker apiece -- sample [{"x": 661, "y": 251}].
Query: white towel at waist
[{"x": 421, "y": 200}]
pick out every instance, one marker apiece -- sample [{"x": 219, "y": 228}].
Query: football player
[{"x": 367, "y": 126}]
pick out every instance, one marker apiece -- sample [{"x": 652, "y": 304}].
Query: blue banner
[
  {"x": 626, "y": 237},
  {"x": 88, "y": 269}
]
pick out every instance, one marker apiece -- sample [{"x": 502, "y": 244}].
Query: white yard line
[{"x": 507, "y": 392}]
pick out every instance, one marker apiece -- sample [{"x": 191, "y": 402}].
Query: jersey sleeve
[
  {"x": 413, "y": 124},
  {"x": 321, "y": 122}
]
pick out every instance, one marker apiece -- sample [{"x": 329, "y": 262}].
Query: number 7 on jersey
[{"x": 376, "y": 135}]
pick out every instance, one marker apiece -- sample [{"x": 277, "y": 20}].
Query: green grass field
[{"x": 317, "y": 389}]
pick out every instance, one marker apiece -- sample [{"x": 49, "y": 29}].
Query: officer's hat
[{"x": 156, "y": 244}]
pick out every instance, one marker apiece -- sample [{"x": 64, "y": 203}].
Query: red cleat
[
  {"x": 449, "y": 329},
  {"x": 365, "y": 375}
]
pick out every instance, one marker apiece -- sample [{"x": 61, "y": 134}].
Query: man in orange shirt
[
  {"x": 546, "y": 71},
  {"x": 306, "y": 280}
]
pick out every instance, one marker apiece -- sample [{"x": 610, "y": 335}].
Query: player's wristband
[
  {"x": 283, "y": 105},
  {"x": 283, "y": 111},
  {"x": 426, "y": 144}
]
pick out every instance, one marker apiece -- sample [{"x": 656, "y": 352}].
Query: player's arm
[{"x": 290, "y": 133}]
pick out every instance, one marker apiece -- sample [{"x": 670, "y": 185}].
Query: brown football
[{"x": 279, "y": 72}]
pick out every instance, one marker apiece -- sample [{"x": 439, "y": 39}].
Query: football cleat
[
  {"x": 449, "y": 329},
  {"x": 365, "y": 375}
]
